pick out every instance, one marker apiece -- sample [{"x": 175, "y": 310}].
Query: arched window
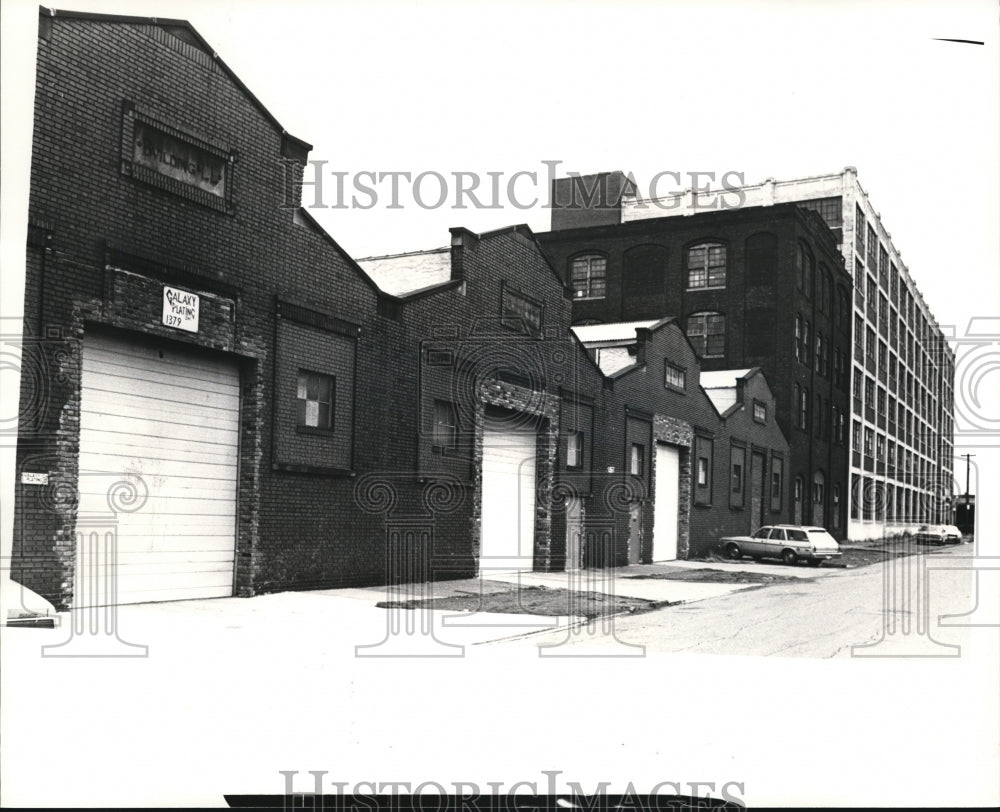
[
  {"x": 589, "y": 276},
  {"x": 707, "y": 333},
  {"x": 844, "y": 310},
  {"x": 825, "y": 289},
  {"x": 706, "y": 265},
  {"x": 804, "y": 265}
]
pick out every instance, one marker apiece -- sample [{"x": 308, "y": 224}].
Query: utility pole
[
  {"x": 967, "y": 456},
  {"x": 966, "y": 500}
]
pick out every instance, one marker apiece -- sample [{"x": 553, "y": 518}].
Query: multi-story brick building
[
  {"x": 753, "y": 287},
  {"x": 902, "y": 369}
]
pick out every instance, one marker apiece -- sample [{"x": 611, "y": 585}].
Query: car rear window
[
  {"x": 798, "y": 535},
  {"x": 821, "y": 534}
]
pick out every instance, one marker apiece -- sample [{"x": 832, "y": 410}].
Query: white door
[
  {"x": 666, "y": 506},
  {"x": 158, "y": 466},
  {"x": 508, "y": 498}
]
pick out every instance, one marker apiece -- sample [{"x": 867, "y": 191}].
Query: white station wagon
[{"x": 789, "y": 542}]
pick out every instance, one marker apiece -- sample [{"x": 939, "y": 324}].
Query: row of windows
[
  {"x": 705, "y": 268},
  {"x": 827, "y": 420},
  {"x": 883, "y": 448},
  {"x": 819, "y": 355}
]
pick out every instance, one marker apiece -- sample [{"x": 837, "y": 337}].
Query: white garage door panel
[
  {"x": 146, "y": 362},
  {"x": 132, "y": 416},
  {"x": 188, "y": 370},
  {"x": 96, "y": 485},
  {"x": 119, "y": 442},
  {"x": 165, "y": 422},
  {"x": 508, "y": 498},
  {"x": 159, "y": 557},
  {"x": 143, "y": 465},
  {"x": 198, "y": 393}
]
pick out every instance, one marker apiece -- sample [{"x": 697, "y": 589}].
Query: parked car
[
  {"x": 938, "y": 534},
  {"x": 931, "y": 534},
  {"x": 954, "y": 534},
  {"x": 789, "y": 542}
]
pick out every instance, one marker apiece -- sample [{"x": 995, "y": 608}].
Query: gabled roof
[
  {"x": 620, "y": 331},
  {"x": 401, "y": 274},
  {"x": 722, "y": 387},
  {"x": 186, "y": 32}
]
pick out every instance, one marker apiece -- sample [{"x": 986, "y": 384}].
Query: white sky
[{"x": 780, "y": 89}]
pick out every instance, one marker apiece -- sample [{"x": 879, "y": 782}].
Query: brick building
[
  {"x": 217, "y": 400},
  {"x": 495, "y": 379},
  {"x": 711, "y": 437},
  {"x": 902, "y": 373},
  {"x": 192, "y": 344},
  {"x": 753, "y": 287}
]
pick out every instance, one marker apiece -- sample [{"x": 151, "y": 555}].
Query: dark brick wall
[
  {"x": 760, "y": 301},
  {"x": 104, "y": 243}
]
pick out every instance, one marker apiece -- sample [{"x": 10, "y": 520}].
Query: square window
[
  {"x": 315, "y": 400},
  {"x": 673, "y": 377},
  {"x": 760, "y": 411},
  {"x": 589, "y": 276}
]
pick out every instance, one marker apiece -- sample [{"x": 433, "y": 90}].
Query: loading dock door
[
  {"x": 158, "y": 469},
  {"x": 667, "y": 494},
  {"x": 508, "y": 529}
]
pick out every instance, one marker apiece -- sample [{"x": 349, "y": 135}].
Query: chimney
[
  {"x": 461, "y": 241},
  {"x": 643, "y": 335},
  {"x": 295, "y": 153}
]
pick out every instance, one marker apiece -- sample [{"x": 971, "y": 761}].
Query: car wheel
[
  {"x": 814, "y": 562},
  {"x": 789, "y": 557},
  {"x": 733, "y": 551}
]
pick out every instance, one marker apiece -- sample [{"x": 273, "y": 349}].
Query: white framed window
[
  {"x": 760, "y": 411},
  {"x": 636, "y": 459},
  {"x": 707, "y": 333},
  {"x": 673, "y": 377},
  {"x": 706, "y": 266},
  {"x": 574, "y": 449},
  {"x": 315, "y": 393},
  {"x": 589, "y": 276}
]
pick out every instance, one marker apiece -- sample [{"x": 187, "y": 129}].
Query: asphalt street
[{"x": 891, "y": 609}]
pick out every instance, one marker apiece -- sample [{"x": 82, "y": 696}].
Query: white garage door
[
  {"x": 160, "y": 424},
  {"x": 665, "y": 511},
  {"x": 508, "y": 498}
]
